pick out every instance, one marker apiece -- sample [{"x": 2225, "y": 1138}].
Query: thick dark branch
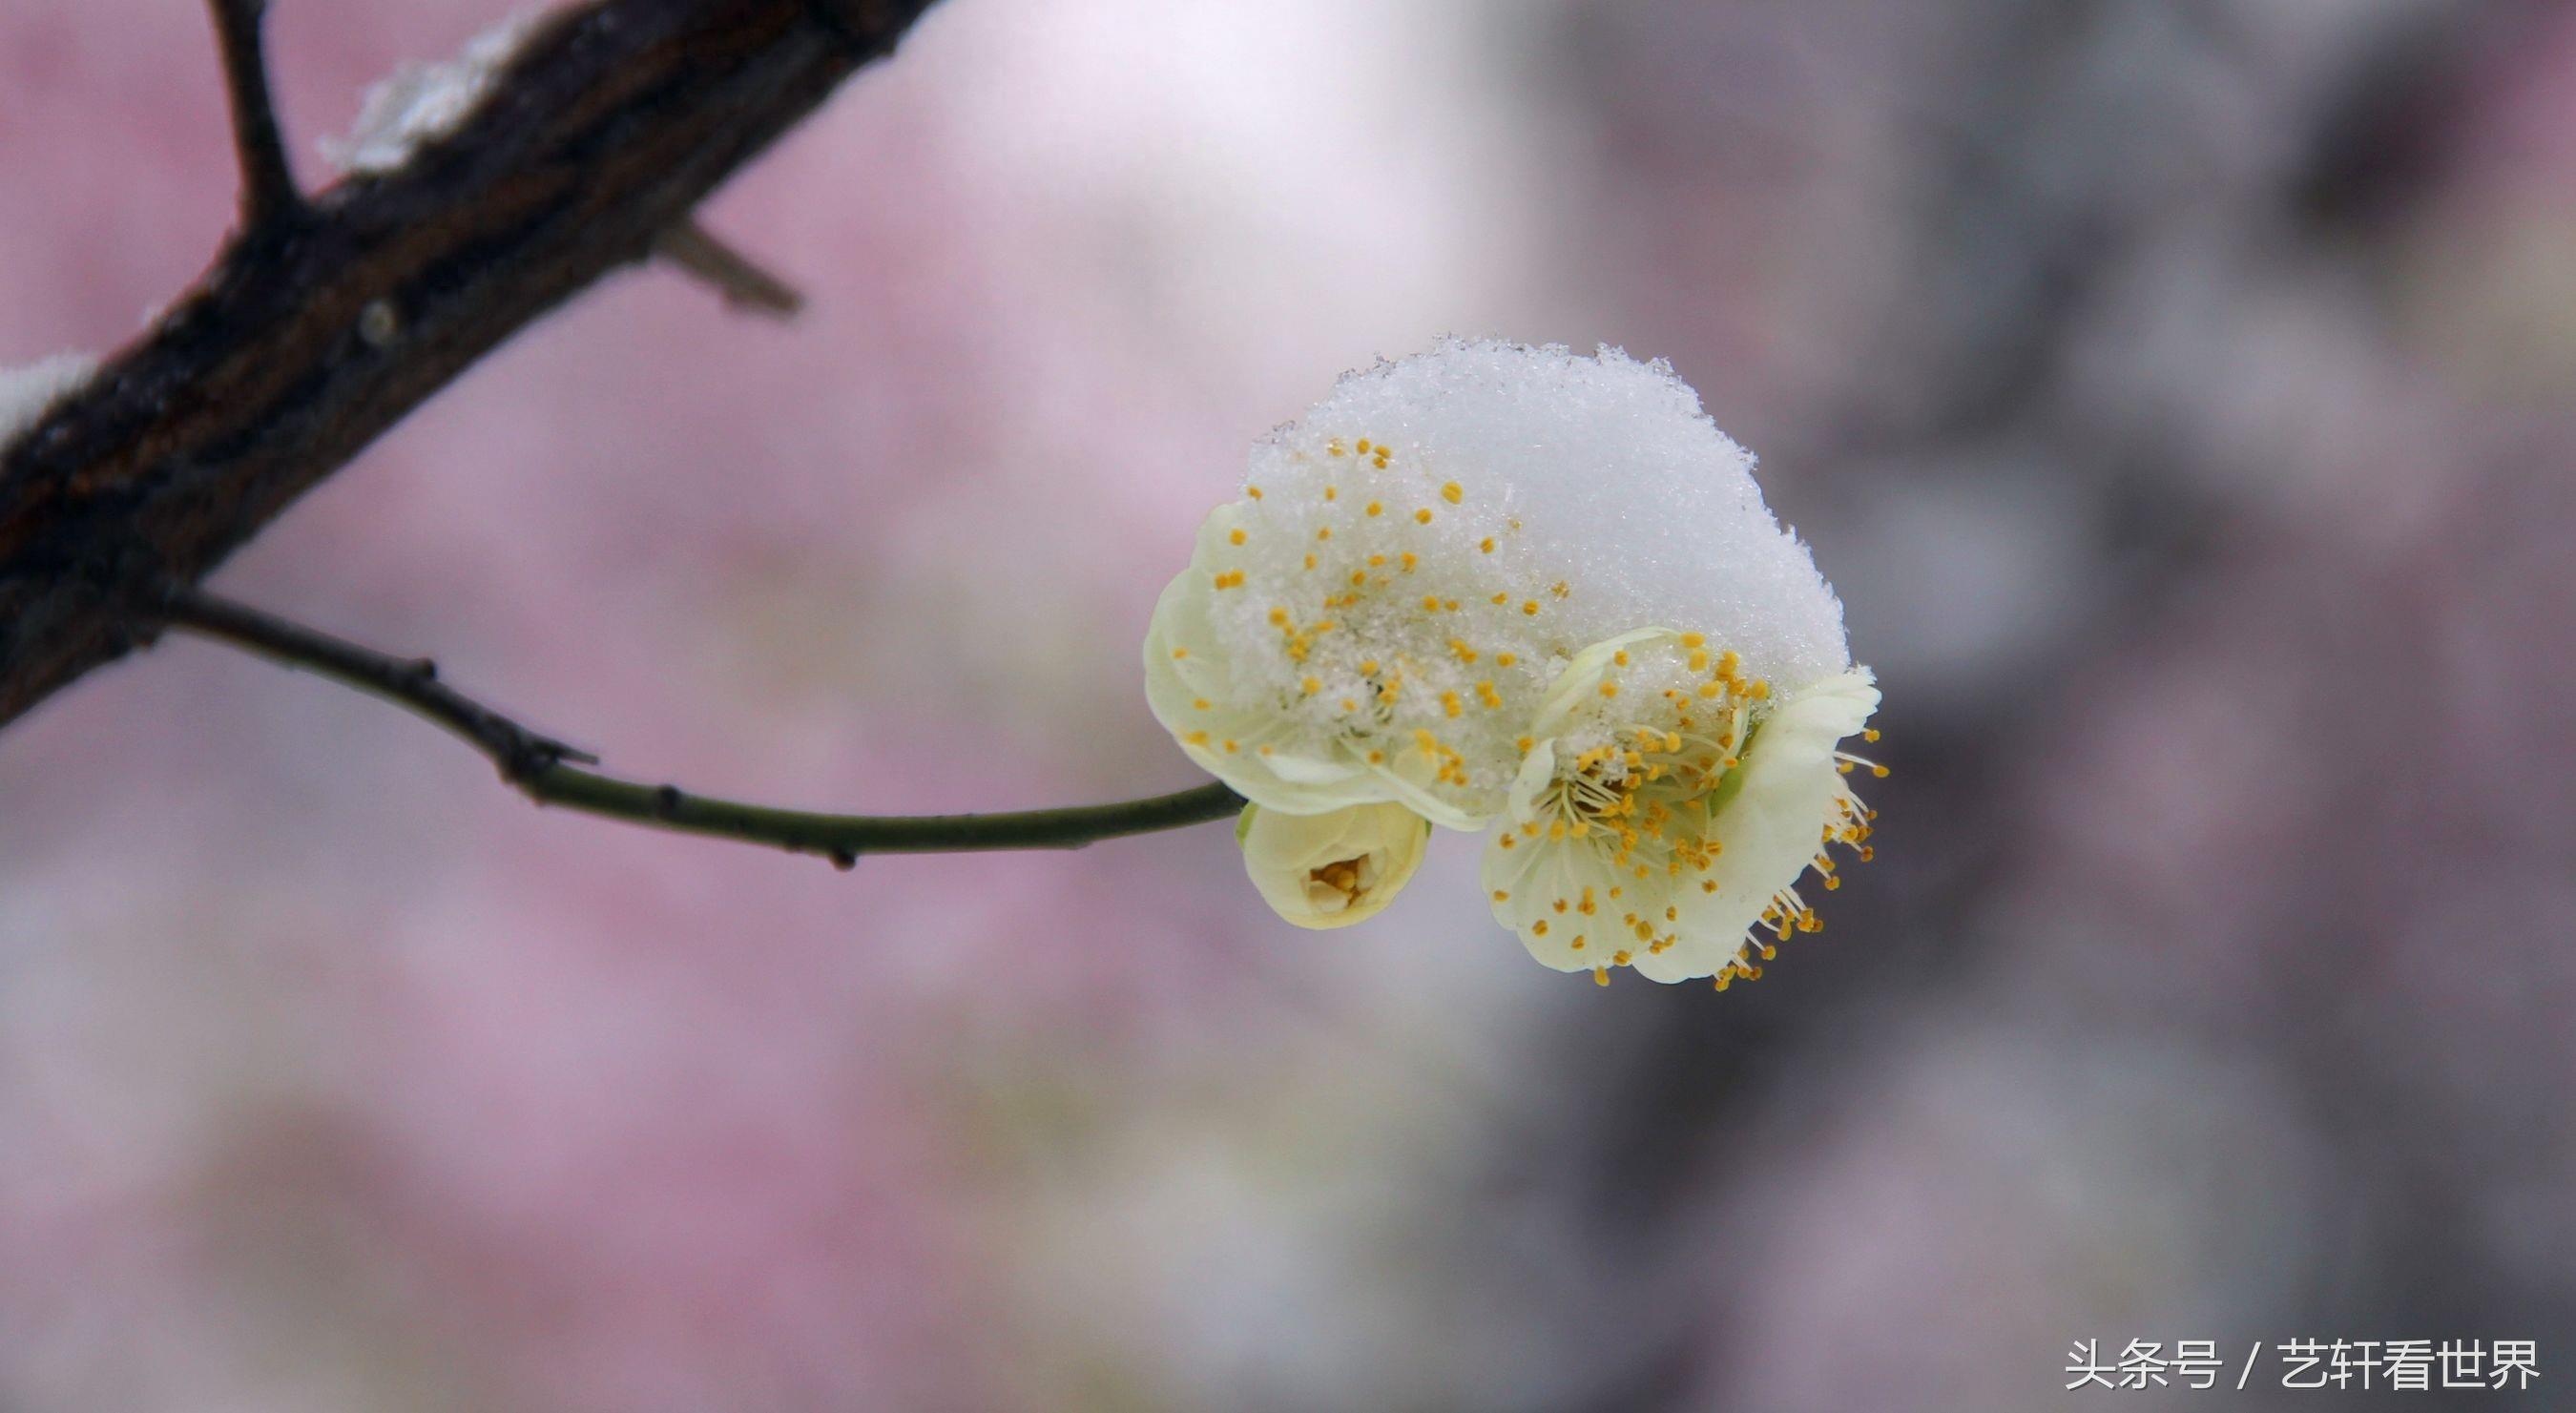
[
  {"x": 269, "y": 195},
  {"x": 303, "y": 343},
  {"x": 547, "y": 770}
]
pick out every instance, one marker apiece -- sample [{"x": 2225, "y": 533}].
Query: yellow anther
[
  {"x": 1312, "y": 685},
  {"x": 1504, "y": 659},
  {"x": 1368, "y": 667},
  {"x": 1278, "y": 618},
  {"x": 1374, "y": 508},
  {"x": 1229, "y": 578},
  {"x": 1410, "y": 561},
  {"x": 1693, "y": 640},
  {"x": 1196, "y": 738},
  {"x": 1253, "y": 491},
  {"x": 1453, "y": 493},
  {"x": 1422, "y": 516},
  {"x": 1539, "y": 928},
  {"x": 1609, "y": 689},
  {"x": 1486, "y": 545},
  {"x": 1364, "y": 446},
  {"x": 1449, "y": 704},
  {"x": 1524, "y": 743},
  {"x": 1758, "y": 690},
  {"x": 1620, "y": 658},
  {"x": 1559, "y": 588},
  {"x": 1464, "y": 652},
  {"x": 1377, "y": 757},
  {"x": 1333, "y": 492},
  {"x": 1323, "y": 532},
  {"x": 1601, "y": 976},
  {"x": 1199, "y": 703},
  {"x": 1530, "y": 608},
  {"x": 1430, "y": 603},
  {"x": 1230, "y": 748},
  {"x": 1310, "y": 561},
  {"x": 1234, "y": 537},
  {"x": 1179, "y": 653},
  {"x": 1871, "y": 734}
]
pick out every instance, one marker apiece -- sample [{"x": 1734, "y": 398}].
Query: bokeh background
[{"x": 2181, "y": 395}]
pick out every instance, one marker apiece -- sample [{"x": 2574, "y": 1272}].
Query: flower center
[{"x": 1339, "y": 884}]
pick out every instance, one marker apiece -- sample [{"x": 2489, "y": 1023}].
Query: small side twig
[
  {"x": 698, "y": 252},
  {"x": 549, "y": 772},
  {"x": 269, "y": 195}
]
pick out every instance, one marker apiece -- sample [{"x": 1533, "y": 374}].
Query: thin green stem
[{"x": 552, "y": 773}]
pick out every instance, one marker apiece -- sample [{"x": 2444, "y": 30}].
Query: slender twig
[
  {"x": 269, "y": 195},
  {"x": 550, "y": 772},
  {"x": 698, "y": 252}
]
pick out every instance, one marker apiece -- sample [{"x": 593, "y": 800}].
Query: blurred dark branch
[
  {"x": 269, "y": 195},
  {"x": 309, "y": 337},
  {"x": 548, "y": 771}
]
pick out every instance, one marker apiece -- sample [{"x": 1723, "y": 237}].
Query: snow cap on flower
[
  {"x": 1335, "y": 869},
  {"x": 1419, "y": 558}
]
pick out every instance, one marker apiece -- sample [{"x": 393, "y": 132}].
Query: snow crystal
[
  {"x": 422, "y": 102},
  {"x": 29, "y": 392}
]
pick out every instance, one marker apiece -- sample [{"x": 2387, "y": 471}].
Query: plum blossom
[{"x": 1496, "y": 586}]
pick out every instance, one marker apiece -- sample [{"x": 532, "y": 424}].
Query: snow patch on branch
[
  {"x": 420, "y": 103},
  {"x": 27, "y": 393}
]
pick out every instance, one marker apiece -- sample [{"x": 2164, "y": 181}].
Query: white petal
[
  {"x": 1773, "y": 827},
  {"x": 1571, "y": 906}
]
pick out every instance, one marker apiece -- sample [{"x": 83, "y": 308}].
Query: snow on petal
[{"x": 1442, "y": 588}]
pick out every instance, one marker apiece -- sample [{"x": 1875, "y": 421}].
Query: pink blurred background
[{"x": 2179, "y": 395}]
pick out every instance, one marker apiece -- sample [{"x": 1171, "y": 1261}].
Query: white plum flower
[
  {"x": 1667, "y": 807},
  {"x": 1334, "y": 869},
  {"x": 1427, "y": 571}
]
